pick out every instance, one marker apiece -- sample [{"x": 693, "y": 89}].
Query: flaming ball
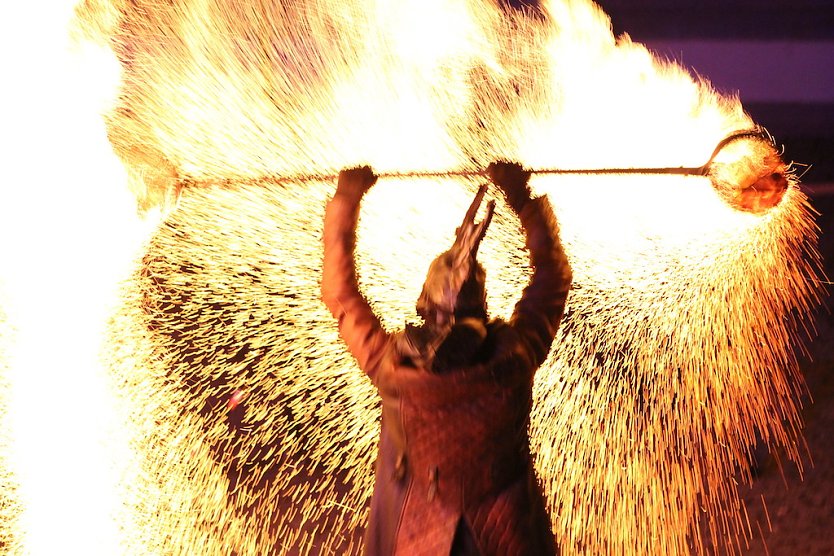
[{"x": 253, "y": 430}]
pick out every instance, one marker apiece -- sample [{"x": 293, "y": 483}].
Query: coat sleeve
[
  {"x": 358, "y": 325},
  {"x": 537, "y": 315}
]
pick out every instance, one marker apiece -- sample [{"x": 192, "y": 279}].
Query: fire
[
  {"x": 70, "y": 231},
  {"x": 243, "y": 426}
]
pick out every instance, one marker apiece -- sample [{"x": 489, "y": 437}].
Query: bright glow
[
  {"x": 68, "y": 224},
  {"x": 676, "y": 350}
]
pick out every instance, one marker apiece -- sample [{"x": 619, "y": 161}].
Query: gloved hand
[
  {"x": 355, "y": 182},
  {"x": 512, "y": 180}
]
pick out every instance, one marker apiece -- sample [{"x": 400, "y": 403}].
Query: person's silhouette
[{"x": 454, "y": 473}]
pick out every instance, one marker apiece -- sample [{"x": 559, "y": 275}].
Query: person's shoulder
[
  {"x": 498, "y": 327},
  {"x": 507, "y": 357},
  {"x": 501, "y": 338}
]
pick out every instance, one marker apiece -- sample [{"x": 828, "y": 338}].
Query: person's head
[{"x": 455, "y": 286}]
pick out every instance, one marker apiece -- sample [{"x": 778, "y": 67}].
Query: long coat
[{"x": 454, "y": 472}]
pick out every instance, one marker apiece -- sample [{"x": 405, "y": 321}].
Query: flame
[
  {"x": 70, "y": 229},
  {"x": 229, "y": 417}
]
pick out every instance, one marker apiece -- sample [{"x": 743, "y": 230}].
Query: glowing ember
[
  {"x": 235, "y": 399},
  {"x": 252, "y": 430}
]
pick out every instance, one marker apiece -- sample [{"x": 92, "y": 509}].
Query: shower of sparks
[
  {"x": 251, "y": 430},
  {"x": 10, "y": 503}
]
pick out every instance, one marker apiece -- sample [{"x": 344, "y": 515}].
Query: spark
[{"x": 675, "y": 353}]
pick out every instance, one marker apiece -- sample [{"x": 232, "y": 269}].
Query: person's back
[{"x": 454, "y": 473}]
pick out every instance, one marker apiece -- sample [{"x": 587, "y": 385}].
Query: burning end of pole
[{"x": 748, "y": 171}]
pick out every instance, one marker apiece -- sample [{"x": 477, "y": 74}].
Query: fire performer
[{"x": 454, "y": 474}]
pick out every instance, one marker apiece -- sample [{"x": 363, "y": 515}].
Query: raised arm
[
  {"x": 358, "y": 326},
  {"x": 537, "y": 314}
]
